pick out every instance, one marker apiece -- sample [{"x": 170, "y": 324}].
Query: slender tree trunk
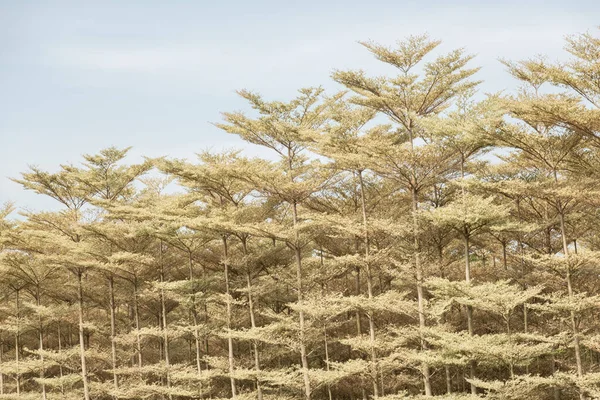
[
  {"x": 1, "y": 360},
  {"x": 520, "y": 238},
  {"x": 325, "y": 339},
  {"x": 84, "y": 374},
  {"x": 357, "y": 290},
  {"x": 165, "y": 329},
  {"x": 69, "y": 336},
  {"x": 326, "y": 342},
  {"x": 574, "y": 325},
  {"x": 511, "y": 365},
  {"x": 259, "y": 393},
  {"x": 113, "y": 331},
  {"x": 440, "y": 253},
  {"x": 197, "y": 342},
  {"x": 205, "y": 309},
  {"x": 420, "y": 294},
  {"x": 556, "y": 390},
  {"x": 468, "y": 280},
  {"x": 136, "y": 315},
  {"x": 357, "y": 283},
  {"x": 17, "y": 344},
  {"x": 468, "y": 275},
  {"x": 548, "y": 239},
  {"x": 195, "y": 318},
  {"x": 469, "y": 308},
  {"x": 60, "y": 365},
  {"x": 374, "y": 369},
  {"x": 41, "y": 343},
  {"x": 161, "y": 352},
  {"x": 229, "y": 317},
  {"x": 418, "y": 266},
  {"x": 526, "y": 328},
  {"x": 299, "y": 283}
]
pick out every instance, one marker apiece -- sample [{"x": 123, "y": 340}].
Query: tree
[{"x": 404, "y": 99}]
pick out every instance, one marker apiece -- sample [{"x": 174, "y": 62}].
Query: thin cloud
[
  {"x": 135, "y": 60},
  {"x": 187, "y": 58}
]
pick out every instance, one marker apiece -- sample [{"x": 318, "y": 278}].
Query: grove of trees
[{"x": 408, "y": 238}]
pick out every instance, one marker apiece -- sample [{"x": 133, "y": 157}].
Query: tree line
[{"x": 409, "y": 239}]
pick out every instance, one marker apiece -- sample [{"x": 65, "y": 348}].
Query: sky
[{"x": 80, "y": 76}]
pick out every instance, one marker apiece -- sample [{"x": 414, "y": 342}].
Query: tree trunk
[
  {"x": 556, "y": 390},
  {"x": 574, "y": 325},
  {"x": 259, "y": 393},
  {"x": 195, "y": 318},
  {"x": 420, "y": 294},
  {"x": 113, "y": 331},
  {"x": 1, "y": 373},
  {"x": 164, "y": 320},
  {"x": 469, "y": 308},
  {"x": 136, "y": 312},
  {"x": 60, "y": 366},
  {"x": 197, "y": 341},
  {"x": 374, "y": 369},
  {"x": 229, "y": 317},
  {"x": 84, "y": 375},
  {"x": 329, "y": 395},
  {"x": 17, "y": 345},
  {"x": 357, "y": 290},
  {"x": 419, "y": 271},
  {"x": 299, "y": 283},
  {"x": 41, "y": 342}
]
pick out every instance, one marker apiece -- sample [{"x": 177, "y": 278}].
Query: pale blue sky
[{"x": 78, "y": 76}]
